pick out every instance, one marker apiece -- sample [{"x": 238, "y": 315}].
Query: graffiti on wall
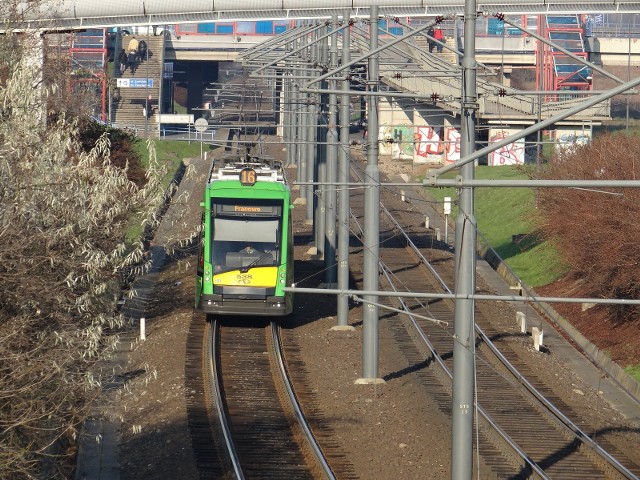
[
  {"x": 403, "y": 144},
  {"x": 428, "y": 141},
  {"x": 511, "y": 154},
  {"x": 452, "y": 145},
  {"x": 569, "y": 138}
]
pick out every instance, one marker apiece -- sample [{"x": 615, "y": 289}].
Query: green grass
[
  {"x": 634, "y": 371},
  {"x": 169, "y": 153},
  {"x": 502, "y": 212},
  {"x": 618, "y": 126},
  {"x": 177, "y": 108}
]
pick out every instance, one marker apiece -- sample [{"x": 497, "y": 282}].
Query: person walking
[
  {"x": 430, "y": 41},
  {"x": 122, "y": 61},
  {"x": 439, "y": 36},
  {"x": 147, "y": 109},
  {"x": 132, "y": 52},
  {"x": 142, "y": 50}
]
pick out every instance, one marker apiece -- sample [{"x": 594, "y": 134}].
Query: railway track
[
  {"x": 244, "y": 416},
  {"x": 515, "y": 420},
  {"x": 523, "y": 428}
]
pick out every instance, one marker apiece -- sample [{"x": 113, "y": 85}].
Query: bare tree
[
  {"x": 63, "y": 214},
  {"x": 597, "y": 230}
]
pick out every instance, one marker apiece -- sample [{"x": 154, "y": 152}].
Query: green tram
[{"x": 246, "y": 247}]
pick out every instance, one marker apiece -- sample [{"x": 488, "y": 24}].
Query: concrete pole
[
  {"x": 372, "y": 219},
  {"x": 330, "y": 266},
  {"x": 147, "y": 110},
  {"x": 296, "y": 116},
  {"x": 287, "y": 104},
  {"x": 319, "y": 222},
  {"x": 311, "y": 150},
  {"x": 343, "y": 177},
  {"x": 294, "y": 108},
  {"x": 465, "y": 268},
  {"x": 301, "y": 139}
]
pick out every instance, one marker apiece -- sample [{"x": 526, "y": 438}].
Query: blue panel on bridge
[
  {"x": 140, "y": 82},
  {"x": 224, "y": 29},
  {"x": 264, "y": 28},
  {"x": 568, "y": 21},
  {"x": 206, "y": 27}
]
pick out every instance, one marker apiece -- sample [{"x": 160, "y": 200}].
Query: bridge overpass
[
  {"x": 195, "y": 58},
  {"x": 516, "y": 110}
]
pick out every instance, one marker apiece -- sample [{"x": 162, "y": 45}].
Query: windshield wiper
[{"x": 257, "y": 261}]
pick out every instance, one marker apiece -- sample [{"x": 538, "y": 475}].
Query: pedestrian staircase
[
  {"x": 134, "y": 87},
  {"x": 563, "y": 72},
  {"x": 446, "y": 54}
]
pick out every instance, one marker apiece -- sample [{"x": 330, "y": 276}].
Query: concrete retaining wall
[{"x": 597, "y": 356}]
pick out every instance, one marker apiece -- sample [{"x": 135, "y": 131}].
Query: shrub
[{"x": 596, "y": 230}]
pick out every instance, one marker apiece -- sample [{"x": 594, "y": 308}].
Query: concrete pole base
[
  {"x": 343, "y": 328},
  {"x": 369, "y": 381}
]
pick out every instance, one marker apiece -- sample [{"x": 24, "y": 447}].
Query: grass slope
[{"x": 504, "y": 212}]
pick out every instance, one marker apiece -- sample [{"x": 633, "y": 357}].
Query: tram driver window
[{"x": 232, "y": 235}]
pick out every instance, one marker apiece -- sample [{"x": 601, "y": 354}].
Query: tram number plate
[{"x": 248, "y": 177}]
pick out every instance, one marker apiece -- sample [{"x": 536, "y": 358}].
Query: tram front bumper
[{"x": 221, "y": 305}]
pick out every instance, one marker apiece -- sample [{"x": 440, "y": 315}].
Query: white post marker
[
  {"x": 537, "y": 335},
  {"x": 447, "y": 212},
  {"x": 426, "y": 222},
  {"x": 521, "y": 320},
  {"x": 143, "y": 335}
]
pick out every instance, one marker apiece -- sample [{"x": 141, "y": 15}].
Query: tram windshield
[{"x": 241, "y": 241}]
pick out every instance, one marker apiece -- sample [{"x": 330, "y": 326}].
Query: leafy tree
[
  {"x": 597, "y": 230},
  {"x": 63, "y": 212}
]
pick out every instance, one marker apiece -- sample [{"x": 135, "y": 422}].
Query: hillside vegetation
[
  {"x": 572, "y": 242},
  {"x": 505, "y": 212},
  {"x": 596, "y": 231}
]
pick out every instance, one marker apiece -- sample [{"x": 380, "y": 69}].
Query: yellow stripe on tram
[{"x": 255, "y": 277}]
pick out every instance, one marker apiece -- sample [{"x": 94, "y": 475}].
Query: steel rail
[
  {"x": 505, "y": 436},
  {"x": 577, "y": 432},
  {"x": 212, "y": 354},
  {"x": 567, "y": 423},
  {"x": 295, "y": 405}
]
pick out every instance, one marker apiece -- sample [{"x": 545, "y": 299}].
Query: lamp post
[
  {"x": 146, "y": 95},
  {"x": 628, "y": 69}
]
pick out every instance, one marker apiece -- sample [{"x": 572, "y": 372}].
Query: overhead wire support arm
[
  {"x": 425, "y": 97},
  {"x": 378, "y": 50},
  {"x": 258, "y": 53},
  {"x": 453, "y": 296},
  {"x": 452, "y": 49},
  {"x": 273, "y": 45},
  {"x": 297, "y": 50},
  {"x": 432, "y": 179}
]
